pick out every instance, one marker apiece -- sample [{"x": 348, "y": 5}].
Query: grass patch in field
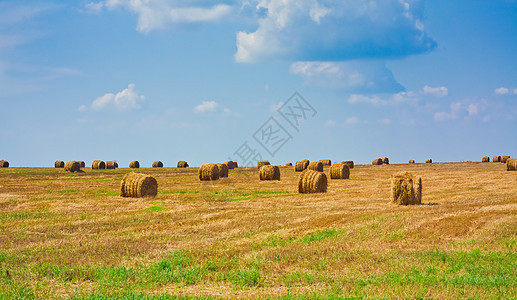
[
  {"x": 68, "y": 191},
  {"x": 24, "y": 215},
  {"x": 154, "y": 208},
  {"x": 320, "y": 235},
  {"x": 178, "y": 192}
]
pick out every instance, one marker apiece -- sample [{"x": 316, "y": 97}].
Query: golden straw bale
[
  {"x": 223, "y": 170},
  {"x": 411, "y": 161},
  {"x": 208, "y": 172},
  {"x": 134, "y": 164},
  {"x": 377, "y": 162},
  {"x": 429, "y": 161},
  {"x": 98, "y": 164},
  {"x": 157, "y": 164},
  {"x": 469, "y": 161},
  {"x": 504, "y": 158},
  {"x": 385, "y": 161},
  {"x": 311, "y": 181},
  {"x": 230, "y": 164},
  {"x": 83, "y": 164},
  {"x": 511, "y": 164},
  {"x": 288, "y": 164},
  {"x": 339, "y": 171},
  {"x": 326, "y": 162},
  {"x": 349, "y": 163},
  {"x": 301, "y": 165},
  {"x": 496, "y": 158},
  {"x": 72, "y": 166},
  {"x": 59, "y": 164},
  {"x": 269, "y": 172},
  {"x": 405, "y": 189},
  {"x": 182, "y": 164},
  {"x": 138, "y": 185},
  {"x": 111, "y": 165},
  {"x": 263, "y": 163},
  {"x": 485, "y": 159},
  {"x": 4, "y": 164},
  {"x": 316, "y": 166},
  {"x": 235, "y": 164}
]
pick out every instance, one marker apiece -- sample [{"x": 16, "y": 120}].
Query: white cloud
[
  {"x": 206, "y": 106},
  {"x": 394, "y": 99},
  {"x": 472, "y": 109},
  {"x": 385, "y": 121},
  {"x": 352, "y": 121},
  {"x": 318, "y": 12},
  {"x": 330, "y": 123},
  {"x": 375, "y": 100},
  {"x": 465, "y": 109},
  {"x": 502, "y": 91},
  {"x": 126, "y": 99},
  {"x": 440, "y": 91},
  {"x": 515, "y": 91}
]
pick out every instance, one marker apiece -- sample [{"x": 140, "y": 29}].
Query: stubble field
[{"x": 66, "y": 235}]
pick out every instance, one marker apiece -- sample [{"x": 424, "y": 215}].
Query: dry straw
[
  {"x": 411, "y": 161},
  {"x": 326, "y": 162},
  {"x": 429, "y": 161},
  {"x": 349, "y": 163},
  {"x": 182, "y": 164},
  {"x": 316, "y": 166},
  {"x": 83, "y": 165},
  {"x": 301, "y": 165},
  {"x": 269, "y": 172},
  {"x": 230, "y": 164},
  {"x": 59, "y": 164},
  {"x": 496, "y": 158},
  {"x": 223, "y": 170},
  {"x": 385, "y": 161},
  {"x": 469, "y": 161},
  {"x": 138, "y": 185},
  {"x": 98, "y": 164},
  {"x": 134, "y": 164},
  {"x": 263, "y": 163},
  {"x": 311, "y": 181},
  {"x": 157, "y": 164},
  {"x": 4, "y": 164},
  {"x": 485, "y": 159},
  {"x": 72, "y": 166},
  {"x": 405, "y": 189},
  {"x": 504, "y": 158},
  {"x": 112, "y": 165},
  {"x": 377, "y": 162},
  {"x": 511, "y": 164},
  {"x": 208, "y": 172},
  {"x": 288, "y": 164},
  {"x": 339, "y": 171}
]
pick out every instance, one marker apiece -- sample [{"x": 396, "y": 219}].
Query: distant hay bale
[
  {"x": 429, "y": 161},
  {"x": 83, "y": 165},
  {"x": 339, "y": 171},
  {"x": 511, "y": 164},
  {"x": 496, "y": 158},
  {"x": 405, "y": 189},
  {"x": 288, "y": 164},
  {"x": 138, "y": 185},
  {"x": 504, "y": 158},
  {"x": 269, "y": 172},
  {"x": 377, "y": 162},
  {"x": 208, "y": 172},
  {"x": 263, "y": 163},
  {"x": 59, "y": 164},
  {"x": 223, "y": 170},
  {"x": 469, "y": 161},
  {"x": 182, "y": 164},
  {"x": 411, "y": 161},
  {"x": 326, "y": 162},
  {"x": 230, "y": 164},
  {"x": 385, "y": 161},
  {"x": 157, "y": 164},
  {"x": 485, "y": 159},
  {"x": 349, "y": 163},
  {"x": 72, "y": 166},
  {"x": 235, "y": 164},
  {"x": 316, "y": 166},
  {"x": 311, "y": 181},
  {"x": 98, "y": 165},
  {"x": 4, "y": 164},
  {"x": 134, "y": 164},
  {"x": 301, "y": 165},
  {"x": 111, "y": 165}
]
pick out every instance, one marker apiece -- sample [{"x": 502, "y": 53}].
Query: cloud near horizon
[{"x": 126, "y": 99}]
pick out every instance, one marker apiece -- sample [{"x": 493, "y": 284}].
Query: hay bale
[
  {"x": 182, "y": 164},
  {"x": 208, "y": 172},
  {"x": 385, "y": 161},
  {"x": 98, "y": 165},
  {"x": 485, "y": 159},
  {"x": 339, "y": 171},
  {"x": 83, "y": 164},
  {"x": 288, "y": 164},
  {"x": 411, "y": 161},
  {"x": 469, "y": 161},
  {"x": 4, "y": 164},
  {"x": 235, "y": 164},
  {"x": 301, "y": 165},
  {"x": 405, "y": 189},
  {"x": 111, "y": 165},
  {"x": 496, "y": 158},
  {"x": 511, "y": 164},
  {"x": 157, "y": 164},
  {"x": 504, "y": 158},
  {"x": 377, "y": 162},
  {"x": 134, "y": 164},
  {"x": 72, "y": 166},
  {"x": 269, "y": 172},
  {"x": 349, "y": 163},
  {"x": 326, "y": 162},
  {"x": 263, "y": 163},
  {"x": 59, "y": 164},
  {"x": 223, "y": 170},
  {"x": 138, "y": 185},
  {"x": 429, "y": 161},
  {"x": 311, "y": 181},
  {"x": 316, "y": 166},
  {"x": 230, "y": 164}
]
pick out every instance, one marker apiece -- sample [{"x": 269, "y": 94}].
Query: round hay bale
[
  {"x": 223, "y": 170},
  {"x": 83, "y": 164},
  {"x": 316, "y": 166},
  {"x": 326, "y": 162},
  {"x": 288, "y": 164},
  {"x": 339, "y": 171},
  {"x": 349, "y": 163},
  {"x": 263, "y": 163},
  {"x": 377, "y": 162},
  {"x": 485, "y": 159},
  {"x": 134, "y": 164},
  {"x": 182, "y": 164},
  {"x": 4, "y": 164},
  {"x": 411, "y": 161},
  {"x": 138, "y": 185},
  {"x": 208, "y": 172},
  {"x": 496, "y": 158},
  {"x": 269, "y": 172},
  {"x": 230, "y": 164},
  {"x": 504, "y": 158},
  {"x": 385, "y": 161},
  {"x": 429, "y": 161},
  {"x": 111, "y": 165},
  {"x": 301, "y": 165},
  {"x": 98, "y": 165},
  {"x": 511, "y": 164},
  {"x": 311, "y": 181},
  {"x": 235, "y": 164},
  {"x": 157, "y": 164},
  {"x": 72, "y": 166},
  {"x": 469, "y": 161},
  {"x": 59, "y": 164},
  {"x": 405, "y": 189}
]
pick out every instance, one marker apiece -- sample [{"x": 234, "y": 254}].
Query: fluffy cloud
[
  {"x": 502, "y": 91},
  {"x": 465, "y": 109},
  {"x": 126, "y": 99},
  {"x": 352, "y": 121},
  {"x": 335, "y": 30},
  {"x": 398, "y": 98},
  {"x": 206, "y": 106},
  {"x": 440, "y": 91}
]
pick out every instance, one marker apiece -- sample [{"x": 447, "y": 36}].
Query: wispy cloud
[
  {"x": 206, "y": 106},
  {"x": 502, "y": 91},
  {"x": 127, "y": 99},
  {"x": 440, "y": 91}
]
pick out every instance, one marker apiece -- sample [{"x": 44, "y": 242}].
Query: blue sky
[{"x": 194, "y": 80}]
